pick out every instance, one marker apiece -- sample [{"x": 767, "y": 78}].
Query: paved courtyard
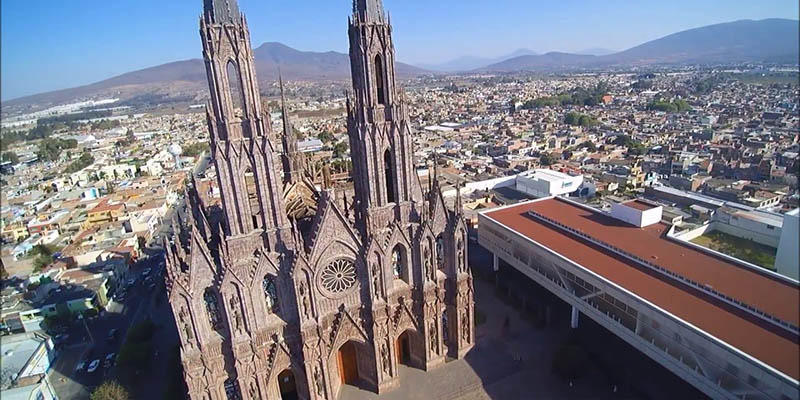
[{"x": 490, "y": 371}]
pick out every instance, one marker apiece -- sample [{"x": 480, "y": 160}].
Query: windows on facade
[
  {"x": 237, "y": 89},
  {"x": 440, "y": 252},
  {"x": 339, "y": 276},
  {"x": 270, "y": 293},
  {"x": 212, "y": 308},
  {"x": 252, "y": 197},
  {"x": 380, "y": 80},
  {"x": 388, "y": 167},
  {"x": 232, "y": 391},
  {"x": 400, "y": 267},
  {"x": 398, "y": 263}
]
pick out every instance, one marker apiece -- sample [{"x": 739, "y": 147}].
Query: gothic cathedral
[{"x": 284, "y": 290}]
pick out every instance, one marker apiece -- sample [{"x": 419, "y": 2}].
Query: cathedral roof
[{"x": 222, "y": 11}]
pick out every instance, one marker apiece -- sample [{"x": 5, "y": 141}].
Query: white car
[{"x": 93, "y": 366}]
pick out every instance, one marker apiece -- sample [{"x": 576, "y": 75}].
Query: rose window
[{"x": 339, "y": 276}]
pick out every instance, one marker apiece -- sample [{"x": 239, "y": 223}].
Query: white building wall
[
  {"x": 626, "y": 214},
  {"x": 652, "y": 216},
  {"x": 753, "y": 230},
  {"x": 786, "y": 262}
]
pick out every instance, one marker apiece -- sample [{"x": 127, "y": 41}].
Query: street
[
  {"x": 89, "y": 340},
  {"x": 95, "y": 343}
]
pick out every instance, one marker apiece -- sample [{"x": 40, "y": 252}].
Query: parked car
[
  {"x": 81, "y": 365},
  {"x": 147, "y": 271},
  {"x": 93, "y": 366},
  {"x": 60, "y": 338},
  {"x": 110, "y": 360}
]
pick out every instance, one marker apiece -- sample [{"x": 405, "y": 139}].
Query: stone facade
[{"x": 273, "y": 303}]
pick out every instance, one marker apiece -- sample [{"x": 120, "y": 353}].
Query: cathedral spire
[
  {"x": 368, "y": 10},
  {"x": 289, "y": 141},
  {"x": 293, "y": 160},
  {"x": 222, "y": 11}
]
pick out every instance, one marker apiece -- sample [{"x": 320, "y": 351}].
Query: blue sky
[{"x": 55, "y": 44}]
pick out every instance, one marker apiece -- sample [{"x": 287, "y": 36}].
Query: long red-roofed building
[{"x": 726, "y": 327}]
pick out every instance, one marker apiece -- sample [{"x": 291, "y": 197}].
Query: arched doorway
[
  {"x": 287, "y": 385},
  {"x": 348, "y": 364},
  {"x": 403, "y": 349}
]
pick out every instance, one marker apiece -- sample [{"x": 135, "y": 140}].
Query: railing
[{"x": 694, "y": 284}]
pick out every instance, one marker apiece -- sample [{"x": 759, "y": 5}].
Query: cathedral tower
[
  {"x": 280, "y": 293},
  {"x": 380, "y": 138},
  {"x": 240, "y": 131}
]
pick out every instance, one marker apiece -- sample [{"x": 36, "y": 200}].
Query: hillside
[
  {"x": 769, "y": 40},
  {"x": 188, "y": 77}
]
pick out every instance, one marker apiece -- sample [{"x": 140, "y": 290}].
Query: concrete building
[
  {"x": 786, "y": 262},
  {"x": 547, "y": 182},
  {"x": 723, "y": 327},
  {"x": 26, "y": 360}
]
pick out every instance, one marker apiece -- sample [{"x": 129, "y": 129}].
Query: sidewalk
[{"x": 489, "y": 371}]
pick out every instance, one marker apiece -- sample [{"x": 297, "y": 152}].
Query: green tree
[
  {"x": 134, "y": 355},
  {"x": 10, "y": 156},
  {"x": 547, "y": 159},
  {"x": 82, "y": 162},
  {"x": 41, "y": 261},
  {"x": 339, "y": 149},
  {"x": 43, "y": 250},
  {"x": 110, "y": 390}
]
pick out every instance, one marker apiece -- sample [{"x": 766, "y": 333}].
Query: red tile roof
[{"x": 759, "y": 290}]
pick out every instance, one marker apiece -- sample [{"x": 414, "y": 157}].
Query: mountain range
[
  {"x": 469, "y": 63},
  {"x": 188, "y": 77},
  {"x": 770, "y": 40}
]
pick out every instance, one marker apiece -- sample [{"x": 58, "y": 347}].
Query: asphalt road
[{"x": 89, "y": 341}]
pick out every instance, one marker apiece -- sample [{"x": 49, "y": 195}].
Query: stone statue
[
  {"x": 318, "y": 380},
  {"x": 376, "y": 280},
  {"x": 253, "y": 390},
  {"x": 187, "y": 328},
  {"x": 427, "y": 257},
  {"x": 237, "y": 315},
  {"x": 465, "y": 326},
  {"x": 306, "y": 303},
  {"x": 385, "y": 358},
  {"x": 433, "y": 335}
]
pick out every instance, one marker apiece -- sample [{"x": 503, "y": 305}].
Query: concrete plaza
[{"x": 506, "y": 363}]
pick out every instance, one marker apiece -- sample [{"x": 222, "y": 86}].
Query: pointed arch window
[
  {"x": 388, "y": 167},
  {"x": 236, "y": 87},
  {"x": 440, "y": 252},
  {"x": 252, "y": 197},
  {"x": 212, "y": 308},
  {"x": 380, "y": 80},
  {"x": 270, "y": 293},
  {"x": 400, "y": 264},
  {"x": 232, "y": 391}
]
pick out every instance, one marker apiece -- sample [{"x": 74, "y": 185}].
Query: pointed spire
[
  {"x": 368, "y": 10},
  {"x": 459, "y": 205},
  {"x": 288, "y": 135},
  {"x": 222, "y": 11}
]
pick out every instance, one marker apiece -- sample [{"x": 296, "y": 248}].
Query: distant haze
[{"x": 772, "y": 40}]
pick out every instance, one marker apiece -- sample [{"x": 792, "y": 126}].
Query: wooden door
[
  {"x": 403, "y": 349},
  {"x": 348, "y": 364},
  {"x": 287, "y": 385}
]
